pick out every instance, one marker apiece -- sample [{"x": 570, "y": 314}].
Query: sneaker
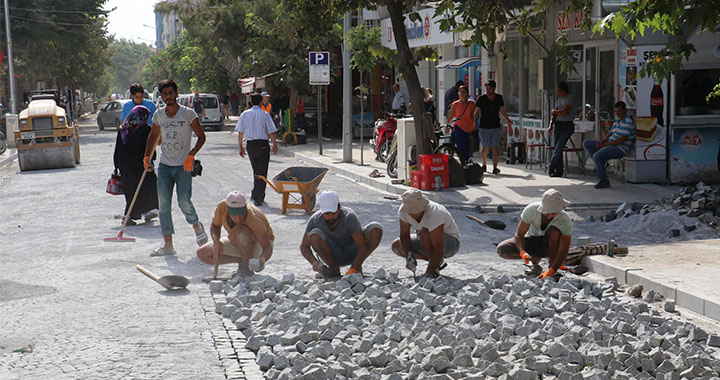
[
  {"x": 130, "y": 222},
  {"x": 602, "y": 184},
  {"x": 484, "y": 168},
  {"x": 150, "y": 215},
  {"x": 256, "y": 202},
  {"x": 496, "y": 171}
]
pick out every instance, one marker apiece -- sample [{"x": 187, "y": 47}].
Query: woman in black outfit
[{"x": 128, "y": 158}]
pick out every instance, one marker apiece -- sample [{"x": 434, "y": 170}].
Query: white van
[{"x": 212, "y": 115}]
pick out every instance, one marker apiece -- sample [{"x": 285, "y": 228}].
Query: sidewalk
[
  {"x": 686, "y": 278},
  {"x": 514, "y": 187}
]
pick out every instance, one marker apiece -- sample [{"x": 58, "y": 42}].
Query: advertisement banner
[
  {"x": 695, "y": 155},
  {"x": 645, "y": 100},
  {"x": 419, "y": 34}
]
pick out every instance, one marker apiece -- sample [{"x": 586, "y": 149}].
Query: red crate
[
  {"x": 420, "y": 180},
  {"x": 433, "y": 165},
  {"x": 415, "y": 178}
]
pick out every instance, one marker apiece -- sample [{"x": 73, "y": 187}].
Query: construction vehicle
[{"x": 46, "y": 138}]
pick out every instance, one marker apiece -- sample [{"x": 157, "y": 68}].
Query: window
[
  {"x": 510, "y": 84},
  {"x": 692, "y": 88},
  {"x": 209, "y": 102}
]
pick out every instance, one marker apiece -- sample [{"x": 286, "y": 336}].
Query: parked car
[
  {"x": 109, "y": 116},
  {"x": 212, "y": 114}
]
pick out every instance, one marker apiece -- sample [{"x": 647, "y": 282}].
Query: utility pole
[
  {"x": 347, "y": 93},
  {"x": 11, "y": 67}
]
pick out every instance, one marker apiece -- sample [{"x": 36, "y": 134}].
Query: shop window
[
  {"x": 511, "y": 77},
  {"x": 692, "y": 88},
  {"x": 532, "y": 95}
]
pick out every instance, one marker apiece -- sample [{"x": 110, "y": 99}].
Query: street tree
[
  {"x": 363, "y": 41},
  {"x": 128, "y": 59},
  {"x": 63, "y": 43}
]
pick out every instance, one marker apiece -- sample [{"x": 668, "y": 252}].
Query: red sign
[
  {"x": 691, "y": 139},
  {"x": 567, "y": 21},
  {"x": 426, "y": 26}
]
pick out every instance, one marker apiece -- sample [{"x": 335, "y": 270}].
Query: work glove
[
  {"x": 188, "y": 164},
  {"x": 548, "y": 273},
  {"x": 525, "y": 257},
  {"x": 147, "y": 163},
  {"x": 352, "y": 271}
]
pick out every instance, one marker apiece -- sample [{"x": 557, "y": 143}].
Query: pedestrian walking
[
  {"x": 137, "y": 94},
  {"x": 234, "y": 102},
  {"x": 175, "y": 124},
  {"x": 462, "y": 122},
  {"x": 257, "y": 127},
  {"x": 266, "y": 105},
  {"x": 198, "y": 106},
  {"x": 489, "y": 107},
  {"x": 451, "y": 95},
  {"x": 130, "y": 146},
  {"x": 561, "y": 127}
]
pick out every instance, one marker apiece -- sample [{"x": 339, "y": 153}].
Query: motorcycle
[
  {"x": 383, "y": 133},
  {"x": 444, "y": 143}
]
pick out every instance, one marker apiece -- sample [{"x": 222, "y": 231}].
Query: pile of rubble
[
  {"x": 497, "y": 327},
  {"x": 699, "y": 201}
]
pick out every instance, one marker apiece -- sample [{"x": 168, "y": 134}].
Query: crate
[
  {"x": 420, "y": 180},
  {"x": 433, "y": 165}
]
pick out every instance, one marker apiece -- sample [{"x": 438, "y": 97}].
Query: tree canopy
[{"x": 128, "y": 59}]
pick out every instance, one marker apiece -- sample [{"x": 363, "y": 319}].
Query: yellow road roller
[{"x": 45, "y": 138}]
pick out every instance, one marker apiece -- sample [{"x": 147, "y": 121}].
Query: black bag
[
  {"x": 473, "y": 174},
  {"x": 474, "y": 141},
  {"x": 197, "y": 168},
  {"x": 456, "y": 172}
]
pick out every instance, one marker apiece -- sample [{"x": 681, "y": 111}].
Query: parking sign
[{"x": 319, "y": 68}]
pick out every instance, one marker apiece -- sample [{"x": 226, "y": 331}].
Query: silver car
[{"x": 109, "y": 116}]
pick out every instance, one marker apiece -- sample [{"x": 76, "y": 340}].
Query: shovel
[
  {"x": 494, "y": 224},
  {"x": 169, "y": 282}
]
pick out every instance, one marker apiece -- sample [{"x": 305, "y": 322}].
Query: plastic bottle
[{"x": 657, "y": 102}]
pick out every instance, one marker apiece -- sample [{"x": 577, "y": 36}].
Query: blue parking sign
[{"x": 319, "y": 68}]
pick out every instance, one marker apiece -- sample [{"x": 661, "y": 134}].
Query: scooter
[
  {"x": 3, "y": 143},
  {"x": 383, "y": 133}
]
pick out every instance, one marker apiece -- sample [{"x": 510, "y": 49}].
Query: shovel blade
[{"x": 173, "y": 281}]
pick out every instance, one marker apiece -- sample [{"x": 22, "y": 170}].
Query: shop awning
[
  {"x": 247, "y": 85},
  {"x": 459, "y": 63}
]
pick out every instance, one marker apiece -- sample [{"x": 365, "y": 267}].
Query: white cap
[
  {"x": 329, "y": 201},
  {"x": 552, "y": 202}
]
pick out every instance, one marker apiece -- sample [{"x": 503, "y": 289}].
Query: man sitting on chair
[{"x": 614, "y": 145}]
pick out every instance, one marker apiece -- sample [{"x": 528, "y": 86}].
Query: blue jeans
[
  {"x": 561, "y": 134},
  {"x": 169, "y": 177},
  {"x": 462, "y": 141},
  {"x": 601, "y": 156}
]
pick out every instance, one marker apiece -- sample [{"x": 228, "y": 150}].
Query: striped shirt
[
  {"x": 624, "y": 127},
  {"x": 255, "y": 124}
]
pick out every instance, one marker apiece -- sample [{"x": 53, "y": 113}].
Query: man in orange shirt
[{"x": 266, "y": 106}]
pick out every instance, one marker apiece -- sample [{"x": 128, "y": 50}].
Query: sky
[{"x": 132, "y": 20}]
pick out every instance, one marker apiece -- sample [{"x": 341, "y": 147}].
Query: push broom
[{"x": 119, "y": 237}]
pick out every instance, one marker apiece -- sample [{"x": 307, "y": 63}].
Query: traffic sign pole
[
  {"x": 319, "y": 76},
  {"x": 319, "y": 108}
]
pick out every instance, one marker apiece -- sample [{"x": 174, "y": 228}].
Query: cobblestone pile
[
  {"x": 700, "y": 201},
  {"x": 383, "y": 327}
]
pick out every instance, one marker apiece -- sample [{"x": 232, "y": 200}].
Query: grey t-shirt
[
  {"x": 560, "y": 104},
  {"x": 348, "y": 224},
  {"x": 176, "y": 134}
]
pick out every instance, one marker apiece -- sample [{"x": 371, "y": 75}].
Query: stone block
[
  {"x": 674, "y": 232},
  {"x": 669, "y": 305},
  {"x": 713, "y": 341},
  {"x": 216, "y": 286}
]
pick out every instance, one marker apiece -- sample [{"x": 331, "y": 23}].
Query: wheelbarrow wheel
[{"x": 312, "y": 200}]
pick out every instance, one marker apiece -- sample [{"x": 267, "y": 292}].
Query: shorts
[
  {"x": 451, "y": 245},
  {"x": 344, "y": 254},
  {"x": 490, "y": 137},
  {"x": 535, "y": 246},
  {"x": 231, "y": 250}
]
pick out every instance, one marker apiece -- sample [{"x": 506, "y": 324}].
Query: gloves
[
  {"x": 188, "y": 164},
  {"x": 351, "y": 271},
  {"x": 548, "y": 273},
  {"x": 147, "y": 163},
  {"x": 525, "y": 257}
]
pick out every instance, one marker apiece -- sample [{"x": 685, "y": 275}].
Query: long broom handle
[{"x": 137, "y": 191}]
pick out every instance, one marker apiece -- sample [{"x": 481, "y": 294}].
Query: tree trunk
[{"x": 406, "y": 66}]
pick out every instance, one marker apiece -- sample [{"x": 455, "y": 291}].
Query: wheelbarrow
[{"x": 301, "y": 180}]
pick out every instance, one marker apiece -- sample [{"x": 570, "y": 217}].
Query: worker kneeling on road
[
  {"x": 336, "y": 235},
  {"x": 436, "y": 236},
  {"x": 545, "y": 230},
  {"x": 250, "y": 238}
]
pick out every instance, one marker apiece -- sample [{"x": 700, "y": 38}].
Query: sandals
[
  {"x": 161, "y": 252},
  {"x": 202, "y": 237},
  {"x": 376, "y": 174}
]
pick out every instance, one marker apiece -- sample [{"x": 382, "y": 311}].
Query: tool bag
[
  {"x": 473, "y": 174},
  {"x": 114, "y": 184}
]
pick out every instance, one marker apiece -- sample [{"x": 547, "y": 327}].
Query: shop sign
[
  {"x": 419, "y": 33},
  {"x": 569, "y": 21}
]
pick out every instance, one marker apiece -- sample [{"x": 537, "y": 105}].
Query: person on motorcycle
[{"x": 462, "y": 121}]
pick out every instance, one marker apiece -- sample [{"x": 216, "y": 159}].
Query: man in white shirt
[
  {"x": 174, "y": 125},
  {"x": 399, "y": 103},
  {"x": 257, "y": 127},
  {"x": 436, "y": 235},
  {"x": 545, "y": 230}
]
